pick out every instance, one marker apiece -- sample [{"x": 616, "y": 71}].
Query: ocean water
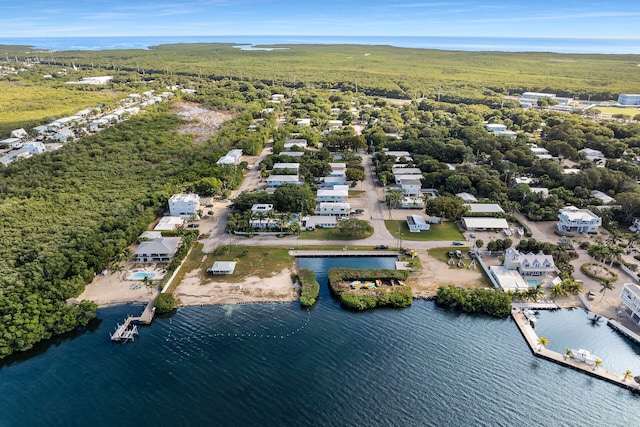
[
  {"x": 280, "y": 365},
  {"x": 503, "y": 44}
]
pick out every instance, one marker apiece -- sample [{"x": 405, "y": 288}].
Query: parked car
[
  {"x": 472, "y": 235},
  {"x": 458, "y": 243},
  {"x": 382, "y": 247},
  {"x": 591, "y": 295},
  {"x": 193, "y": 225}
]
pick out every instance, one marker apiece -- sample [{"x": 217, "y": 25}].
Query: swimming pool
[
  {"x": 140, "y": 276},
  {"x": 534, "y": 283}
]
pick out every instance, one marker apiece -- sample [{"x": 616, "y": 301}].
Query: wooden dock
[
  {"x": 624, "y": 330},
  {"x": 339, "y": 254},
  {"x": 532, "y": 341},
  {"x": 129, "y": 329}
]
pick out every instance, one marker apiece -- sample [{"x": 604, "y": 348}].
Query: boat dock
[
  {"x": 624, "y": 330},
  {"x": 532, "y": 341},
  {"x": 343, "y": 253},
  {"x": 536, "y": 305},
  {"x": 129, "y": 329}
]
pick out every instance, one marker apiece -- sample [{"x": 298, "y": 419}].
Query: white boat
[
  {"x": 585, "y": 356},
  {"x": 530, "y": 315},
  {"x": 508, "y": 232}
]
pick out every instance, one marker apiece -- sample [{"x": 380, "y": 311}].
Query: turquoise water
[
  {"x": 280, "y": 365},
  {"x": 140, "y": 276},
  {"x": 533, "y": 283}
]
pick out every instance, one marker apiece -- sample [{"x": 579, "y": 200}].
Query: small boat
[
  {"x": 530, "y": 315},
  {"x": 400, "y": 282},
  {"x": 585, "y": 356}
]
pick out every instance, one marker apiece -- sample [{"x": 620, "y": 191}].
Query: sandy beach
[{"x": 112, "y": 289}]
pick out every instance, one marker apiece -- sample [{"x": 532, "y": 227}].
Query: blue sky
[{"x": 491, "y": 18}]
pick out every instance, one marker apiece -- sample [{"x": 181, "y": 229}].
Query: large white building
[
  {"x": 184, "y": 205},
  {"x": 529, "y": 264},
  {"x": 483, "y": 223},
  {"x": 332, "y": 195},
  {"x": 630, "y": 298},
  {"x": 162, "y": 249},
  {"x": 416, "y": 223},
  {"x": 574, "y": 220},
  {"x": 629, "y": 99},
  {"x": 290, "y": 143}
]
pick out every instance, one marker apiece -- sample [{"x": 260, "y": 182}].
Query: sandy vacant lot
[
  {"x": 201, "y": 122},
  {"x": 436, "y": 273},
  {"x": 278, "y": 288},
  {"x": 112, "y": 289}
]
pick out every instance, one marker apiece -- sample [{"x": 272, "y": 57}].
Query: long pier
[
  {"x": 129, "y": 329},
  {"x": 539, "y": 351},
  {"x": 339, "y": 254},
  {"x": 624, "y": 330}
]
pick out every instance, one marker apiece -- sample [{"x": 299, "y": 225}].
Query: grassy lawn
[
  {"x": 329, "y": 234},
  {"x": 444, "y": 231},
  {"x": 441, "y": 255},
  {"x": 251, "y": 261},
  {"x": 610, "y": 111},
  {"x": 356, "y": 193}
]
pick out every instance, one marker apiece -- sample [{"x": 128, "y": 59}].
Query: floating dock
[
  {"x": 344, "y": 253},
  {"x": 129, "y": 329},
  {"x": 532, "y": 341}
]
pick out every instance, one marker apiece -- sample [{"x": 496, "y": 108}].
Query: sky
[{"x": 486, "y": 18}]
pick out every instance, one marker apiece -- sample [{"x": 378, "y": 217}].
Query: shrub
[
  {"x": 165, "y": 303},
  {"x": 489, "y": 301},
  {"x": 310, "y": 287},
  {"x": 585, "y": 269}
]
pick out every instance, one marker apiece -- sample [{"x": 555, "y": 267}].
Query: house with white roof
[
  {"x": 149, "y": 235},
  {"x": 495, "y": 127},
  {"x": 290, "y": 143},
  {"x": 630, "y": 299},
  {"x": 41, "y": 129},
  {"x": 411, "y": 186},
  {"x": 64, "y": 135},
  {"x": 319, "y": 221},
  {"x": 19, "y": 133},
  {"x": 284, "y": 167},
  {"x": 333, "y": 209},
  {"x": 259, "y": 217},
  {"x": 416, "y": 223},
  {"x": 169, "y": 223},
  {"x": 484, "y": 208},
  {"x": 231, "y": 158},
  {"x": 161, "y": 249},
  {"x": 467, "y": 197},
  {"x": 398, "y": 154},
  {"x": 34, "y": 147},
  {"x": 508, "y": 280},
  {"x": 334, "y": 124},
  {"x": 574, "y": 220},
  {"x": 303, "y": 122},
  {"x": 332, "y": 195},
  {"x": 222, "y": 267},
  {"x": 629, "y": 99},
  {"x": 331, "y": 182},
  {"x": 274, "y": 181},
  {"x": 603, "y": 197},
  {"x": 529, "y": 264},
  {"x": 184, "y": 205},
  {"x": 338, "y": 167},
  {"x": 261, "y": 207},
  {"x": 595, "y": 156},
  {"x": 14, "y": 143},
  {"x": 484, "y": 223},
  {"x": 296, "y": 154}
]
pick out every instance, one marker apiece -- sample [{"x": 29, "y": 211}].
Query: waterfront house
[
  {"x": 317, "y": 221},
  {"x": 184, "y": 205},
  {"x": 529, "y": 264},
  {"x": 222, "y": 267},
  {"x": 630, "y": 299},
  {"x": 161, "y": 249},
  {"x": 574, "y": 220},
  {"x": 508, "y": 280}
]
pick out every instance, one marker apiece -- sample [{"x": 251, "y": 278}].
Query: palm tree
[
  {"x": 627, "y": 375},
  {"x": 615, "y": 254},
  {"x": 568, "y": 353},
  {"x": 535, "y": 292},
  {"x": 558, "y": 290},
  {"x": 543, "y": 341},
  {"x": 598, "y": 363},
  {"x": 117, "y": 268},
  {"x": 606, "y": 285}
]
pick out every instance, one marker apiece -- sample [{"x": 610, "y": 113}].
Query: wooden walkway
[
  {"x": 532, "y": 340},
  {"x": 129, "y": 329},
  {"x": 624, "y": 330},
  {"x": 343, "y": 253},
  {"x": 536, "y": 305}
]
